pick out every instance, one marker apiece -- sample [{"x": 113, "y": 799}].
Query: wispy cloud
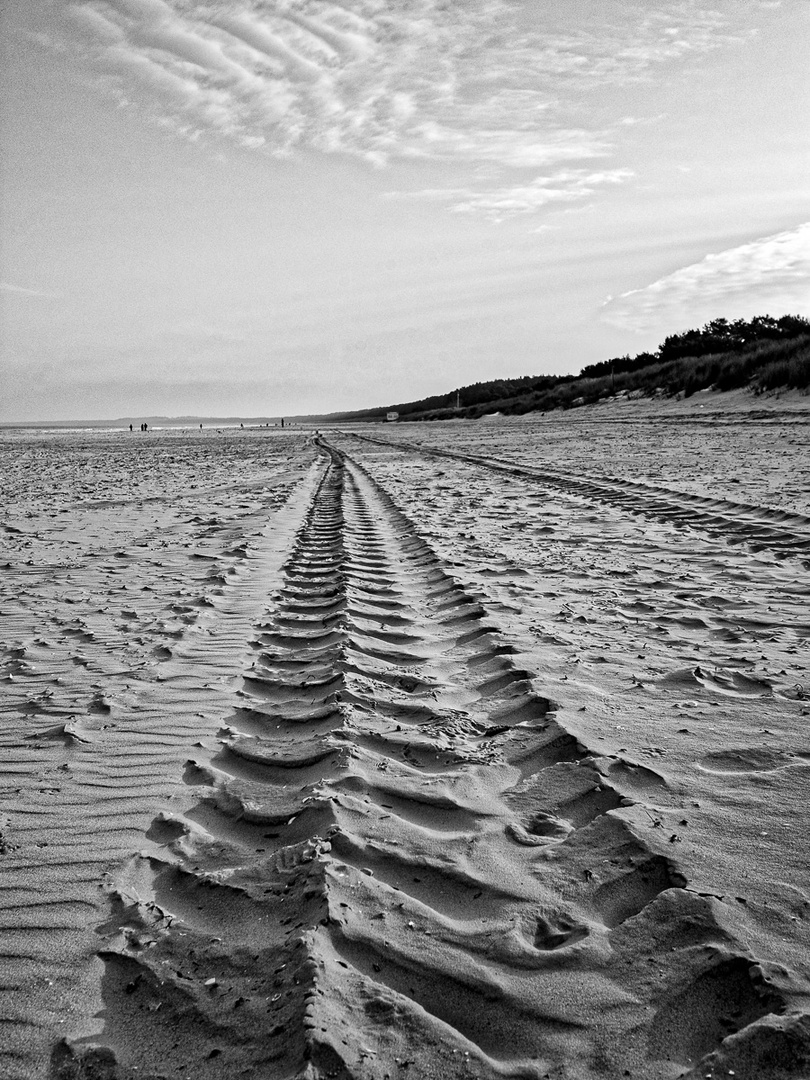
[
  {"x": 561, "y": 187},
  {"x": 771, "y": 274},
  {"x": 19, "y": 290},
  {"x": 420, "y": 77},
  {"x": 500, "y": 203}
]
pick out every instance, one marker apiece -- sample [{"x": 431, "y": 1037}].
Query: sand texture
[{"x": 447, "y": 751}]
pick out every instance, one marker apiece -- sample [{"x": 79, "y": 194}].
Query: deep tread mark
[{"x": 785, "y": 533}]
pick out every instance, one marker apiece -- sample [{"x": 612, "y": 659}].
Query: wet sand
[{"x": 453, "y": 750}]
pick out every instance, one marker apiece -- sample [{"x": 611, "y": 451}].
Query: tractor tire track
[
  {"x": 785, "y": 534},
  {"x": 399, "y": 857}
]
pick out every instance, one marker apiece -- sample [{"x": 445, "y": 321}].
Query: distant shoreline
[
  {"x": 705, "y": 403},
  {"x": 152, "y": 421}
]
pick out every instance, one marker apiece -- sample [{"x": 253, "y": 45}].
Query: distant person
[
  {"x": 130, "y": 427},
  {"x": 200, "y": 427}
]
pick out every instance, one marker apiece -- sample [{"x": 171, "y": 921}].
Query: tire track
[
  {"x": 400, "y": 858},
  {"x": 784, "y": 533}
]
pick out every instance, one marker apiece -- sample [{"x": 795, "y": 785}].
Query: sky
[{"x": 270, "y": 207}]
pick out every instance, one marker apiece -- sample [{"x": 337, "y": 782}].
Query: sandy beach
[{"x": 454, "y": 750}]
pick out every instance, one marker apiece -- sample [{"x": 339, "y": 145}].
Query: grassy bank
[{"x": 763, "y": 354}]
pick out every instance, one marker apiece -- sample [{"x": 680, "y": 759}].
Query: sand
[{"x": 453, "y": 750}]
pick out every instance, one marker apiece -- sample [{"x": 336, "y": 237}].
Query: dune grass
[{"x": 764, "y": 354}]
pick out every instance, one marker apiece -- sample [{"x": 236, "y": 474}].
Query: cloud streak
[
  {"x": 18, "y": 290},
  {"x": 744, "y": 280},
  {"x": 499, "y": 204},
  {"x": 559, "y": 188},
  {"x": 476, "y": 82}
]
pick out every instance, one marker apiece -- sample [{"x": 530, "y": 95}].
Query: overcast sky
[{"x": 281, "y": 206}]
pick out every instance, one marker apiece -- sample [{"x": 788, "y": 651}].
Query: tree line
[
  {"x": 717, "y": 336},
  {"x": 764, "y": 353}
]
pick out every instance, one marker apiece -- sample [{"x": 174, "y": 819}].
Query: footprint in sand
[
  {"x": 718, "y": 680},
  {"x": 556, "y": 932},
  {"x": 727, "y": 996}
]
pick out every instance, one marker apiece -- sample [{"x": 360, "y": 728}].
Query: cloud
[
  {"x": 562, "y": 187},
  {"x": 476, "y": 82},
  {"x": 771, "y": 274},
  {"x": 498, "y": 204},
  {"x": 18, "y": 290}
]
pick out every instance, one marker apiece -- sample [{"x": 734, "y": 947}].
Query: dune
[{"x": 432, "y": 751}]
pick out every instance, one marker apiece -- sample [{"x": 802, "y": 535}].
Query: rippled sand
[{"x": 459, "y": 750}]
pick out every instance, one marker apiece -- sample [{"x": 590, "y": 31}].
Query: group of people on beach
[{"x": 144, "y": 427}]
